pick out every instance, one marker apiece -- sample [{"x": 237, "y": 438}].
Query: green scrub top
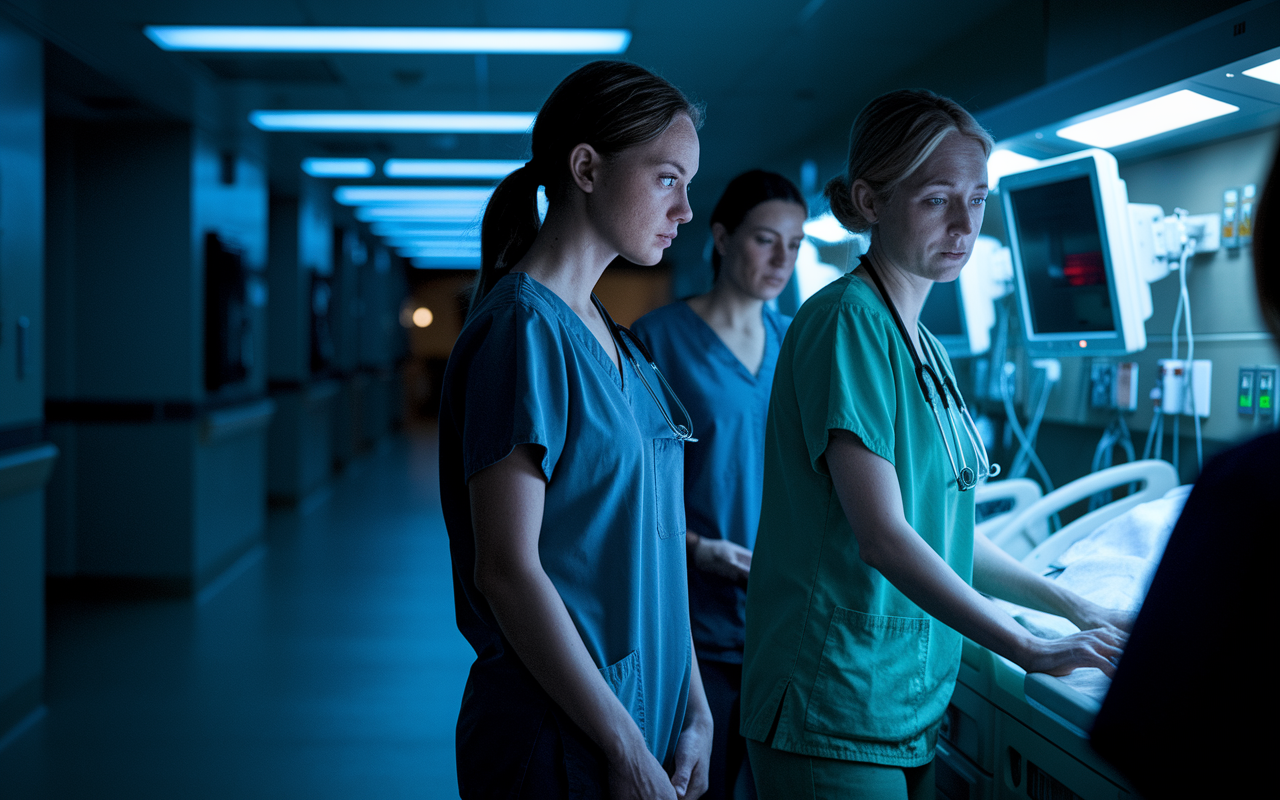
[{"x": 838, "y": 662}]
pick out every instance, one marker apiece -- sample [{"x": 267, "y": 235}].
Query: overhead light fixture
[
  {"x": 382, "y": 195},
  {"x": 825, "y": 227},
  {"x": 394, "y": 121},
  {"x": 1161, "y": 115},
  {"x": 408, "y": 212},
  {"x": 1269, "y": 72},
  {"x": 246, "y": 39},
  {"x": 448, "y": 168},
  {"x": 338, "y": 167},
  {"x": 426, "y": 230},
  {"x": 1007, "y": 162},
  {"x": 418, "y": 239}
]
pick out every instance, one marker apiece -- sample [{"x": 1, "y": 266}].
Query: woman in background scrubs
[
  {"x": 561, "y": 476},
  {"x": 718, "y": 350},
  {"x": 860, "y": 588}
]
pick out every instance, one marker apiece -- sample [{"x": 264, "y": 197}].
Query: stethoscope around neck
[
  {"x": 682, "y": 432},
  {"x": 935, "y": 380}
]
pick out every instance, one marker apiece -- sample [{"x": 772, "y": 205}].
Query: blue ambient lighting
[
  {"x": 387, "y": 40},
  {"x": 338, "y": 167},
  {"x": 385, "y": 195},
  {"x": 394, "y": 121},
  {"x": 448, "y": 168}
]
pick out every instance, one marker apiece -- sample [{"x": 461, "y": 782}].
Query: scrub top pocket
[
  {"x": 623, "y": 678},
  {"x": 668, "y": 468},
  {"x": 871, "y": 678}
]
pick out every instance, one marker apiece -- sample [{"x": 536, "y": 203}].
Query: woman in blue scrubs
[
  {"x": 560, "y": 472},
  {"x": 719, "y": 349}
]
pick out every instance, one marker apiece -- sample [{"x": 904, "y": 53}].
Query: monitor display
[
  {"x": 1076, "y": 275},
  {"x": 1061, "y": 249}
]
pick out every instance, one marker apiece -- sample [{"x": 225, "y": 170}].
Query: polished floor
[{"x": 324, "y": 665}]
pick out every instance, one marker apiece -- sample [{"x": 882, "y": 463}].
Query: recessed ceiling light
[
  {"x": 415, "y": 239},
  {"x": 1269, "y": 72},
  {"x": 383, "y": 195},
  {"x": 438, "y": 230},
  {"x": 448, "y": 168},
  {"x": 394, "y": 121},
  {"x": 388, "y": 40},
  {"x": 413, "y": 212},
  {"x": 1163, "y": 114},
  {"x": 338, "y": 167}
]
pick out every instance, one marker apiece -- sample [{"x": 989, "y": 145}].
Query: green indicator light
[
  {"x": 1246, "y": 401},
  {"x": 1265, "y": 402}
]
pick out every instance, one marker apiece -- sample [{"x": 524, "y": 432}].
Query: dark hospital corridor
[{"x": 325, "y": 664}]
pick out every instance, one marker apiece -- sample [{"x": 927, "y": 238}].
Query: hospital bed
[{"x": 1007, "y": 734}]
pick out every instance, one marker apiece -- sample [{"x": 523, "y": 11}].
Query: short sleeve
[
  {"x": 517, "y": 389},
  {"x": 845, "y": 380}
]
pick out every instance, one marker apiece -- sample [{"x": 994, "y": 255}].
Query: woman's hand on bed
[{"x": 1099, "y": 648}]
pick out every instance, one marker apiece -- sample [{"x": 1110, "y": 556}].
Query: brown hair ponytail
[{"x": 610, "y": 105}]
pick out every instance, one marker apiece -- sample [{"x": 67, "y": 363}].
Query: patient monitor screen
[{"x": 1061, "y": 249}]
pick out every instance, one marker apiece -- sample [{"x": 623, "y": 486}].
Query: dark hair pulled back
[
  {"x": 744, "y": 193},
  {"x": 610, "y": 105}
]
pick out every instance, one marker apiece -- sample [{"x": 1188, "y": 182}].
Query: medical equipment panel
[
  {"x": 1245, "y": 384},
  {"x": 1267, "y": 391},
  {"x": 1078, "y": 283}
]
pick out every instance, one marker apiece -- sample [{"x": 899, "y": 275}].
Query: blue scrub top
[
  {"x": 724, "y": 469},
  {"x": 527, "y": 370}
]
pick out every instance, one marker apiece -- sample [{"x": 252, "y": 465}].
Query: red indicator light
[{"x": 1084, "y": 269}]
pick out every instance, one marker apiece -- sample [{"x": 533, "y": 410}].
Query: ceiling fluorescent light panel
[
  {"x": 1161, "y": 115},
  {"x": 448, "y": 168},
  {"x": 247, "y": 39},
  {"x": 381, "y": 195},
  {"x": 338, "y": 167},
  {"x": 394, "y": 121},
  {"x": 454, "y": 213},
  {"x": 1269, "y": 72}
]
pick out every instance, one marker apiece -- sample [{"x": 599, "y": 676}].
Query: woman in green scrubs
[{"x": 866, "y": 574}]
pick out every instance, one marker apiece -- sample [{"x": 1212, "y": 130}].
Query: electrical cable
[{"x": 1026, "y": 453}]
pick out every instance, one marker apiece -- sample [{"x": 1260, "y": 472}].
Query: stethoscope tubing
[
  {"x": 966, "y": 477},
  {"x": 683, "y": 433}
]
